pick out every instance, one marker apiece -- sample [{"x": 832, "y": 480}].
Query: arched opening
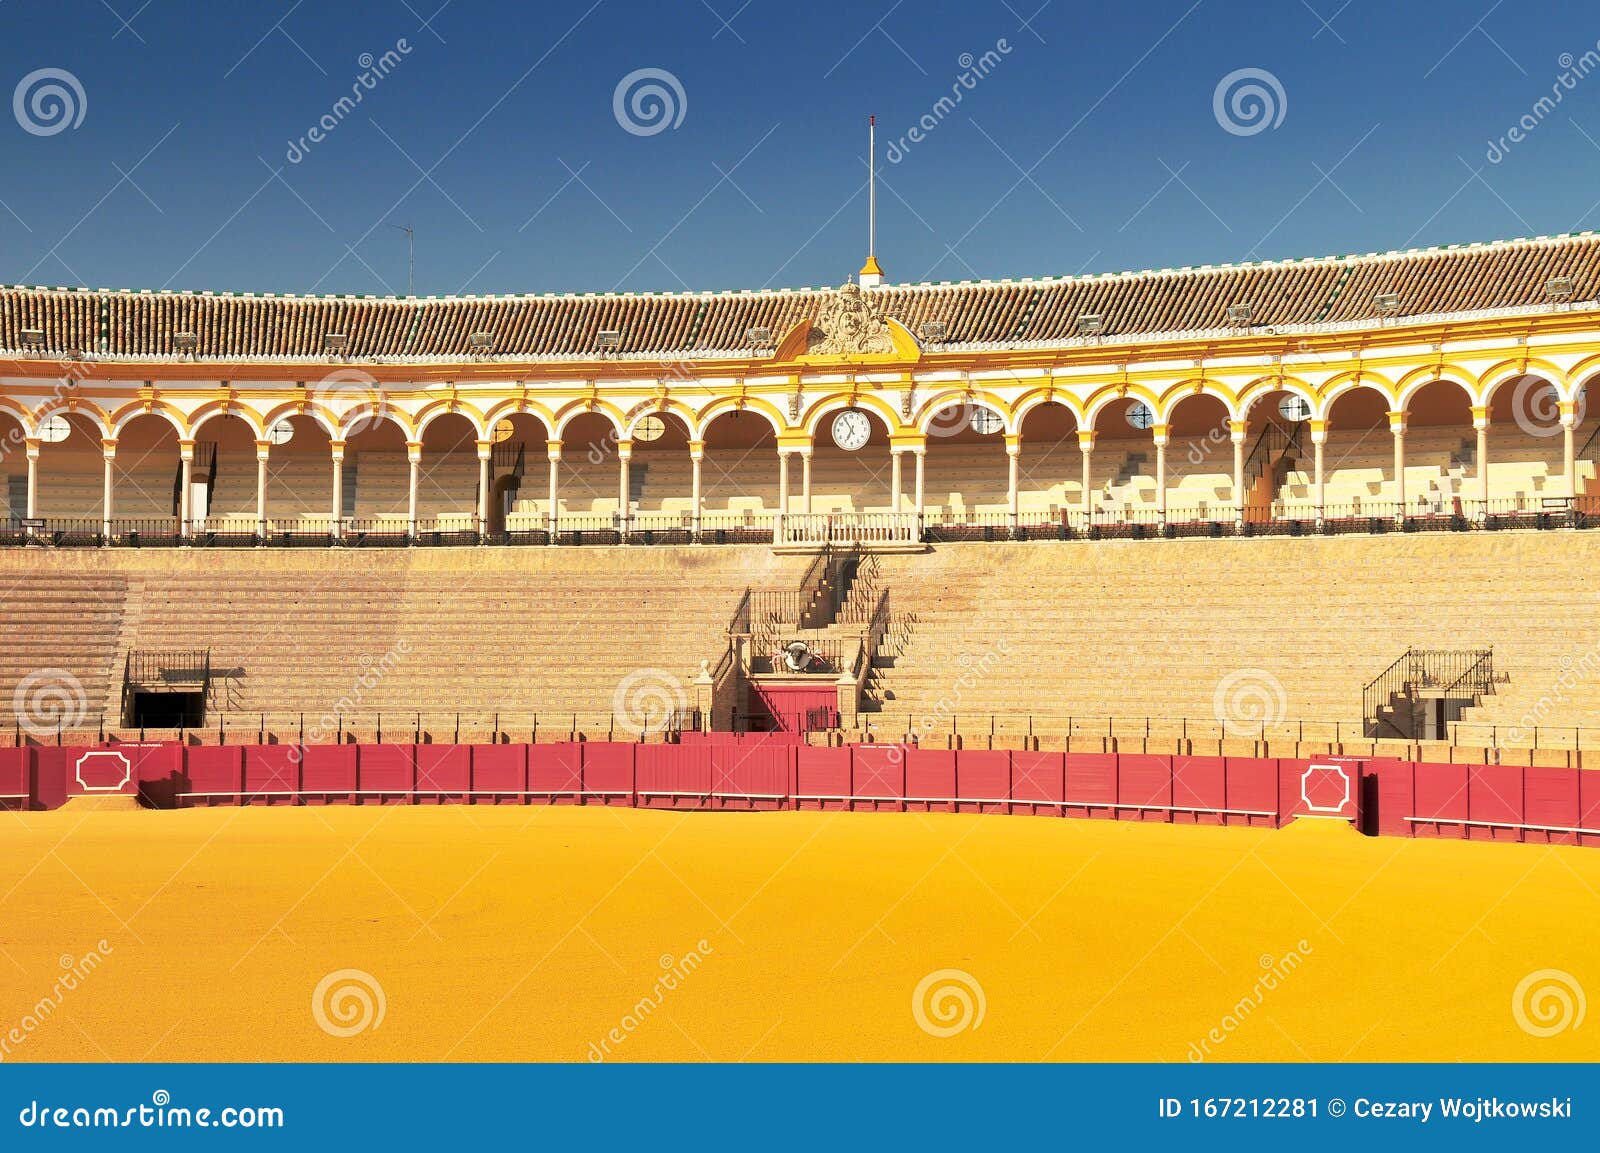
[
  {"x": 377, "y": 476},
  {"x": 850, "y": 465},
  {"x": 224, "y": 475},
  {"x": 1121, "y": 468},
  {"x": 518, "y": 473},
  {"x": 447, "y": 478},
  {"x": 146, "y": 481},
  {"x": 1440, "y": 450},
  {"x": 299, "y": 476},
  {"x": 1199, "y": 460},
  {"x": 13, "y": 470},
  {"x": 1280, "y": 457},
  {"x": 739, "y": 476},
  {"x": 1359, "y": 455},
  {"x": 1050, "y": 469},
  {"x": 966, "y": 472},
  {"x": 589, "y": 473},
  {"x": 660, "y": 472},
  {"x": 1527, "y": 447},
  {"x": 1586, "y": 443}
]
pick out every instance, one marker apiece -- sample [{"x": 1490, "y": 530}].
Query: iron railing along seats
[{"x": 1472, "y": 670}]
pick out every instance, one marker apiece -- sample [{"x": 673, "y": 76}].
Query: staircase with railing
[
  {"x": 1272, "y": 457},
  {"x": 1417, "y": 696}
]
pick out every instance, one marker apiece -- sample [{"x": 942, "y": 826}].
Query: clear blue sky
[{"x": 1091, "y": 145}]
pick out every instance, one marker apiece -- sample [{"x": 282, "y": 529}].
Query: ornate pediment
[{"x": 848, "y": 324}]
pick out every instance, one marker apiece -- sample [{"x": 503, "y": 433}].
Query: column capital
[
  {"x": 1238, "y": 430},
  {"x": 1397, "y": 422},
  {"x": 263, "y": 449},
  {"x": 185, "y": 450},
  {"x": 31, "y": 445},
  {"x": 485, "y": 449},
  {"x": 552, "y": 449},
  {"x": 624, "y": 449},
  {"x": 108, "y": 447},
  {"x": 1161, "y": 434},
  {"x": 1013, "y": 443},
  {"x": 336, "y": 447},
  {"x": 1480, "y": 416},
  {"x": 1569, "y": 414},
  {"x": 414, "y": 452},
  {"x": 1086, "y": 439},
  {"x": 697, "y": 450}
]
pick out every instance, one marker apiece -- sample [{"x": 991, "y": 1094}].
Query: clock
[
  {"x": 986, "y": 421},
  {"x": 281, "y": 433},
  {"x": 649, "y": 428},
  {"x": 851, "y": 429},
  {"x": 1294, "y": 407},
  {"x": 1140, "y": 416}
]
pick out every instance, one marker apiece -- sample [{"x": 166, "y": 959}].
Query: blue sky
[{"x": 1092, "y": 143}]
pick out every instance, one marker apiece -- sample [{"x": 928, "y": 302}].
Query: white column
[
  {"x": 1480, "y": 422},
  {"x": 485, "y": 458},
  {"x": 32, "y": 447},
  {"x": 1160, "y": 432},
  {"x": 1086, "y": 447},
  {"x": 1013, "y": 466},
  {"x": 337, "y": 449},
  {"x": 413, "y": 480},
  {"x": 1569, "y": 427},
  {"x": 186, "y": 463},
  {"x": 1319, "y": 440},
  {"x": 263, "y": 449},
  {"x": 1237, "y": 431},
  {"x": 918, "y": 503},
  {"x": 624, "y": 487},
  {"x": 1397, "y": 426},
  {"x": 783, "y": 498},
  {"x": 895, "y": 481},
  {"x": 108, "y": 450},
  {"x": 697, "y": 453},
  {"x": 805, "y": 480},
  {"x": 553, "y": 449}
]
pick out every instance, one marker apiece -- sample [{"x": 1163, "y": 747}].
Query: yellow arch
[
  {"x": 863, "y": 401},
  {"x": 313, "y": 412},
  {"x": 726, "y": 404},
  {"x": 1106, "y": 394},
  {"x": 1036, "y": 398},
  {"x": 923, "y": 420},
  {"x": 515, "y": 406},
  {"x": 1348, "y": 382},
  {"x": 1419, "y": 378},
  {"x": 435, "y": 409},
  {"x": 660, "y": 407},
  {"x": 212, "y": 410},
  {"x": 128, "y": 413},
  {"x": 573, "y": 409},
  {"x": 1497, "y": 374},
  {"x": 1267, "y": 385},
  {"x": 1581, "y": 371},
  {"x": 88, "y": 408}
]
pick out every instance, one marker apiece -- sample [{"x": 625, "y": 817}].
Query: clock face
[
  {"x": 649, "y": 428},
  {"x": 281, "y": 433},
  {"x": 851, "y": 428},
  {"x": 1294, "y": 408},
  {"x": 1140, "y": 416}
]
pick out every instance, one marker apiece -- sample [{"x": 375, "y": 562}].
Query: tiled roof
[{"x": 1464, "y": 279}]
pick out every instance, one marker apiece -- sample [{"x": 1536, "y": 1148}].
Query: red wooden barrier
[
  {"x": 555, "y": 773},
  {"x": 499, "y": 773},
  {"x": 822, "y": 778},
  {"x": 443, "y": 773},
  {"x": 16, "y": 779}
]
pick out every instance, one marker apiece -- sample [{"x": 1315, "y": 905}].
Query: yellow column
[
  {"x": 108, "y": 450},
  {"x": 1161, "y": 436},
  {"x": 1086, "y": 447},
  {"x": 1013, "y": 469},
  {"x": 485, "y": 458},
  {"x": 1237, "y": 431},
  {"x": 624, "y": 487},
  {"x": 1480, "y": 422},
  {"x": 553, "y": 449},
  {"x": 895, "y": 484},
  {"x": 263, "y": 449},
  {"x": 337, "y": 448},
  {"x": 1569, "y": 426},
  {"x": 697, "y": 452},
  {"x": 413, "y": 479},
  {"x": 1397, "y": 426},
  {"x": 922, "y": 455},
  {"x": 186, "y": 461}
]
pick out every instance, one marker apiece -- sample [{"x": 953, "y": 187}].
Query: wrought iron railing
[{"x": 1463, "y": 673}]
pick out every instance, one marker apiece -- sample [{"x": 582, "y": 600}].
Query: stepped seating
[
  {"x": 1131, "y": 630},
  {"x": 68, "y": 622}
]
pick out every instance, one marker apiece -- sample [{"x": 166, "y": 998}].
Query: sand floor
[{"x": 570, "y": 934}]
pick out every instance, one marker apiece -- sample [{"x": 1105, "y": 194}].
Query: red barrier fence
[{"x": 1389, "y": 797}]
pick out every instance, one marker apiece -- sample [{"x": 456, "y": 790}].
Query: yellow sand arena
[{"x": 570, "y": 934}]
